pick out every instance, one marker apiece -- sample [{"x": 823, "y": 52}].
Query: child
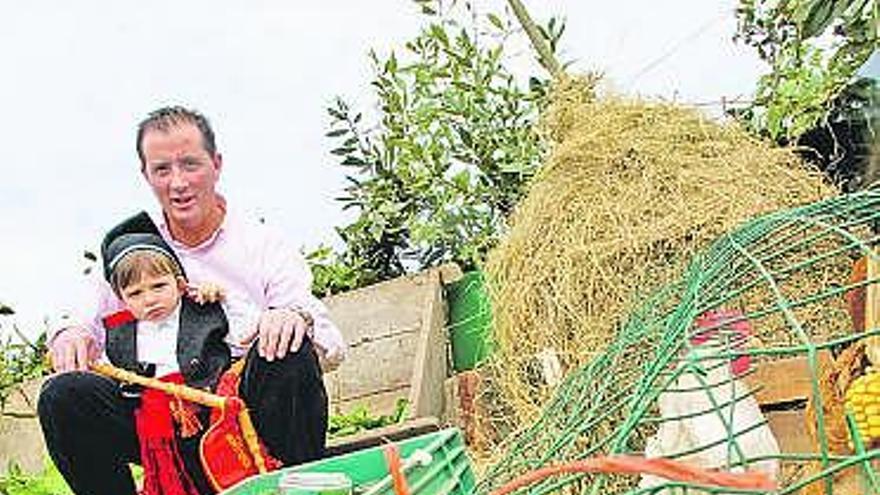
[
  {"x": 148, "y": 278},
  {"x": 162, "y": 328},
  {"x": 173, "y": 332}
]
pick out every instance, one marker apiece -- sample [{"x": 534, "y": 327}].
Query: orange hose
[
  {"x": 664, "y": 468},
  {"x": 395, "y": 467}
]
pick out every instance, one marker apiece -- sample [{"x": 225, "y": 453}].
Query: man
[{"x": 88, "y": 423}]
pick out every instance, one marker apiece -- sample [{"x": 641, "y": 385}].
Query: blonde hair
[{"x": 136, "y": 265}]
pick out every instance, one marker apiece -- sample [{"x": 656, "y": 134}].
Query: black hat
[{"x": 137, "y": 233}]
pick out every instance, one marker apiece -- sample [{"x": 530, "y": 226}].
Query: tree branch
[{"x": 545, "y": 54}]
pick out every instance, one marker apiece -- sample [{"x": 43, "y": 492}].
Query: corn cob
[{"x": 863, "y": 399}]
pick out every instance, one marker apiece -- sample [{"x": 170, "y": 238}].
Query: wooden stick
[{"x": 177, "y": 390}]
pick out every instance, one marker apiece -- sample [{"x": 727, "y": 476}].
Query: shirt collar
[{"x": 161, "y": 222}]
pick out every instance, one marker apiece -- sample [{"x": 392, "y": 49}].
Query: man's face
[
  {"x": 182, "y": 174},
  {"x": 153, "y": 297}
]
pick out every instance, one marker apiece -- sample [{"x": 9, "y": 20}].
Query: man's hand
[
  {"x": 73, "y": 349},
  {"x": 206, "y": 293},
  {"x": 280, "y": 331}
]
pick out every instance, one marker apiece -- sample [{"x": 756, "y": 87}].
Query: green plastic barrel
[{"x": 470, "y": 321}]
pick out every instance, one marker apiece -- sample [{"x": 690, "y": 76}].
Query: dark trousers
[{"x": 90, "y": 432}]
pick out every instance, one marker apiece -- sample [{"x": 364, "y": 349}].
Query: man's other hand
[
  {"x": 73, "y": 349},
  {"x": 280, "y": 331},
  {"x": 205, "y": 293}
]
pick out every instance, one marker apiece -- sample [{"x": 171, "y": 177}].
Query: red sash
[{"x": 164, "y": 471}]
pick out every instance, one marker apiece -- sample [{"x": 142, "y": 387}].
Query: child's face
[{"x": 153, "y": 297}]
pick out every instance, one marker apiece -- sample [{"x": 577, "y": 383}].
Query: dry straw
[{"x": 629, "y": 192}]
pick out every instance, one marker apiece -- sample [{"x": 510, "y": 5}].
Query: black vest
[{"x": 202, "y": 355}]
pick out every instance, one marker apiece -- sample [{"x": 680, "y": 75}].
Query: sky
[{"x": 76, "y": 78}]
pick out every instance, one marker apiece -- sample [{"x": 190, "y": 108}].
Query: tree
[
  {"x": 814, "y": 48},
  {"x": 435, "y": 179}
]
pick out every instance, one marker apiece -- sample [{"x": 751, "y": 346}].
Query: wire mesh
[{"x": 787, "y": 276}]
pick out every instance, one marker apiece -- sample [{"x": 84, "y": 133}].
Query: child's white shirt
[{"x": 157, "y": 342}]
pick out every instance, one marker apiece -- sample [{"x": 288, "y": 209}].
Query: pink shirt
[{"x": 256, "y": 267}]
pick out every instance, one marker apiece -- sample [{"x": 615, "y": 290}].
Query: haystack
[{"x": 629, "y": 192}]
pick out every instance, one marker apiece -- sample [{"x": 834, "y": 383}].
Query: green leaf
[
  {"x": 544, "y": 33},
  {"x": 438, "y": 33},
  {"x": 344, "y": 150},
  {"x": 335, "y": 113},
  {"x": 495, "y": 20},
  {"x": 337, "y": 133},
  {"x": 353, "y": 161},
  {"x": 391, "y": 64},
  {"x": 820, "y": 14}
]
